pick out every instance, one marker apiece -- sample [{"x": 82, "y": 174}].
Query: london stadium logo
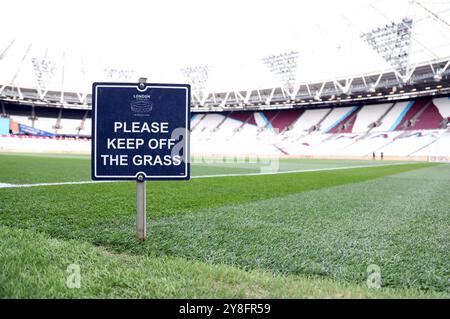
[{"x": 141, "y": 104}]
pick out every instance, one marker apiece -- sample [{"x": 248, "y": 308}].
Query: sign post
[
  {"x": 141, "y": 195},
  {"x": 140, "y": 132},
  {"x": 141, "y": 211}
]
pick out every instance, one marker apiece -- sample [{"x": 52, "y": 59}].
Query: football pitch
[{"x": 240, "y": 228}]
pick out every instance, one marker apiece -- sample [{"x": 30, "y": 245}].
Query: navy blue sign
[{"x": 140, "y": 131}]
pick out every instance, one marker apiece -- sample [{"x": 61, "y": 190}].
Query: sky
[{"x": 157, "y": 38}]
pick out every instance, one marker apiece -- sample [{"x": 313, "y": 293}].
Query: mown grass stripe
[
  {"x": 34, "y": 266},
  {"x": 4, "y": 185}
]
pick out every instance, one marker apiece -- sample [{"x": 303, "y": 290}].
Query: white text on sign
[{"x": 139, "y": 143}]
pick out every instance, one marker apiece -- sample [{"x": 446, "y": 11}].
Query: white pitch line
[
  {"x": 299, "y": 170},
  {"x": 4, "y": 185},
  {"x": 53, "y": 184}
]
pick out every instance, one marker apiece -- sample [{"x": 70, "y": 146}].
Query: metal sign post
[
  {"x": 140, "y": 132},
  {"x": 141, "y": 196},
  {"x": 141, "y": 208}
]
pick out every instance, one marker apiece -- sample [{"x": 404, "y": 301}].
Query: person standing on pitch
[
  {"x": 373, "y": 155},
  {"x": 382, "y": 155}
]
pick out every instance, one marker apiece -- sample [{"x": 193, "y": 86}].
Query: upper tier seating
[{"x": 369, "y": 115}]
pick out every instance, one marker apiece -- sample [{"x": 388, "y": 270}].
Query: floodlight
[
  {"x": 284, "y": 67},
  {"x": 392, "y": 43},
  {"x": 197, "y": 77}
]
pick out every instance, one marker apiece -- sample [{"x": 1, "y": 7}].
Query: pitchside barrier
[{"x": 140, "y": 131}]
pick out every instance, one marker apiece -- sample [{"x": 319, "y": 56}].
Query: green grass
[
  {"x": 289, "y": 235},
  {"x": 34, "y": 265},
  {"x": 44, "y": 168}
]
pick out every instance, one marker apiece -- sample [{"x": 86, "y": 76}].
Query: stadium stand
[
  {"x": 366, "y": 145},
  {"x": 284, "y": 119},
  {"x": 367, "y": 117},
  {"x": 428, "y": 118},
  {"x": 416, "y": 128},
  {"x": 310, "y": 120},
  {"x": 407, "y": 143},
  {"x": 407, "y": 118},
  {"x": 346, "y": 124},
  {"x": 336, "y": 116},
  {"x": 443, "y": 105},
  {"x": 438, "y": 150},
  {"x": 389, "y": 121}
]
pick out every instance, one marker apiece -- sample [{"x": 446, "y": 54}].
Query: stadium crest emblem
[{"x": 141, "y": 104}]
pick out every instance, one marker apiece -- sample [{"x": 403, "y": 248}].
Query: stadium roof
[{"x": 65, "y": 46}]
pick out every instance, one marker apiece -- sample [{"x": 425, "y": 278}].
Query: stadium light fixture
[
  {"x": 392, "y": 42},
  {"x": 119, "y": 74},
  {"x": 284, "y": 67},
  {"x": 44, "y": 71},
  {"x": 197, "y": 77}
]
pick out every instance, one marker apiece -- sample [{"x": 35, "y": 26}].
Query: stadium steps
[
  {"x": 423, "y": 147},
  {"x": 345, "y": 147},
  {"x": 331, "y": 137},
  {"x": 83, "y": 121},
  {"x": 270, "y": 116},
  {"x": 347, "y": 127},
  {"x": 363, "y": 136},
  {"x": 408, "y": 120},
  {"x": 380, "y": 120},
  {"x": 220, "y": 123},
  {"x": 389, "y": 143},
  {"x": 443, "y": 105},
  {"x": 58, "y": 126},
  {"x": 316, "y": 126},
  {"x": 296, "y": 120},
  {"x": 445, "y": 122},
  {"x": 198, "y": 122},
  {"x": 413, "y": 121},
  {"x": 431, "y": 143},
  {"x": 428, "y": 118},
  {"x": 284, "y": 120},
  {"x": 247, "y": 120},
  {"x": 402, "y": 135}
]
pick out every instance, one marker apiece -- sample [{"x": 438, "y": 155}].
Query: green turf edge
[{"x": 34, "y": 265}]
